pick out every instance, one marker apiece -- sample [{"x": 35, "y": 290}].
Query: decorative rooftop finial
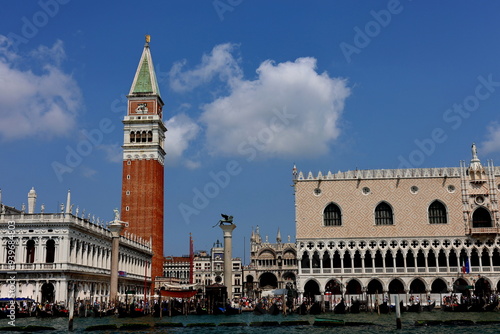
[
  {"x": 148, "y": 39},
  {"x": 68, "y": 202}
]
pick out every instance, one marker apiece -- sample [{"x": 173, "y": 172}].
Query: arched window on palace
[
  {"x": 332, "y": 215},
  {"x": 10, "y": 251},
  {"x": 383, "y": 214},
  {"x": 50, "y": 251},
  {"x": 481, "y": 218},
  {"x": 30, "y": 251},
  {"x": 437, "y": 213}
]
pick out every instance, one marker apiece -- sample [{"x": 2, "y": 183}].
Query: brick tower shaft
[{"x": 143, "y": 161}]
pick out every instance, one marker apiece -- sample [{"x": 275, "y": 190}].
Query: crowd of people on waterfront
[{"x": 268, "y": 304}]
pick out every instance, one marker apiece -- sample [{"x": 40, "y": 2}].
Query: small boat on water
[
  {"x": 315, "y": 308},
  {"x": 454, "y": 307},
  {"x": 340, "y": 308},
  {"x": 384, "y": 308},
  {"x": 491, "y": 306},
  {"x": 415, "y": 307},
  {"x": 302, "y": 309},
  {"x": 355, "y": 306},
  {"x": 274, "y": 309},
  {"x": 429, "y": 307},
  {"x": 259, "y": 309}
]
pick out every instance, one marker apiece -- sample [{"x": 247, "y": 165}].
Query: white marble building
[{"x": 48, "y": 254}]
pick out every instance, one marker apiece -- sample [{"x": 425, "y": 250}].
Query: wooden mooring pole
[{"x": 398, "y": 312}]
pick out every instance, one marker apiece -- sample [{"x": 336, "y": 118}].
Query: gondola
[
  {"x": 274, "y": 309},
  {"x": 429, "y": 307},
  {"x": 415, "y": 307},
  {"x": 340, "y": 308},
  {"x": 302, "y": 309},
  {"x": 259, "y": 309},
  {"x": 454, "y": 307},
  {"x": 491, "y": 306},
  {"x": 315, "y": 308},
  {"x": 476, "y": 305},
  {"x": 384, "y": 308},
  {"x": 355, "y": 305},
  {"x": 231, "y": 310}
]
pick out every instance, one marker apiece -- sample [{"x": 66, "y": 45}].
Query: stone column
[
  {"x": 115, "y": 228},
  {"x": 299, "y": 264},
  {"x": 228, "y": 228}
]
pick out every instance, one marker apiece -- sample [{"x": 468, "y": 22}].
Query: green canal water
[{"x": 385, "y": 323}]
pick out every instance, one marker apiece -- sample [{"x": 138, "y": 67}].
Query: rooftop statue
[
  {"x": 117, "y": 215},
  {"x": 226, "y": 220}
]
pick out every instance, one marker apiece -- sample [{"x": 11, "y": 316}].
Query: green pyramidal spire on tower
[{"x": 145, "y": 82}]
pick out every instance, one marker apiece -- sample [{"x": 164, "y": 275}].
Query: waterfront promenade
[{"x": 250, "y": 323}]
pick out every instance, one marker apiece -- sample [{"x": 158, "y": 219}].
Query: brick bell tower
[{"x": 143, "y": 160}]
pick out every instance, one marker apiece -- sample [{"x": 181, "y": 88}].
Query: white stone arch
[
  {"x": 420, "y": 278},
  {"x": 316, "y": 280},
  {"x": 406, "y": 285},
  {"x": 350, "y": 279},
  {"x": 431, "y": 281},
  {"x": 385, "y": 285}
]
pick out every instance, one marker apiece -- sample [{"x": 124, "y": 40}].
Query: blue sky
[{"x": 250, "y": 88}]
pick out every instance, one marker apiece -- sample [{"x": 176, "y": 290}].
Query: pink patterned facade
[{"x": 404, "y": 231}]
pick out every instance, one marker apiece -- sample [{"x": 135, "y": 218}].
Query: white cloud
[
  {"x": 181, "y": 130},
  {"x": 493, "y": 142},
  {"x": 55, "y": 54},
  {"x": 88, "y": 172},
  {"x": 219, "y": 62},
  {"x": 40, "y": 102},
  {"x": 114, "y": 152},
  {"x": 289, "y": 110}
]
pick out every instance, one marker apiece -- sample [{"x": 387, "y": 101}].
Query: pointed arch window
[
  {"x": 481, "y": 218},
  {"x": 383, "y": 214},
  {"x": 437, "y": 213},
  {"x": 332, "y": 215}
]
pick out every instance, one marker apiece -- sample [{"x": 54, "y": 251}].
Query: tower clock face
[{"x": 218, "y": 279}]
